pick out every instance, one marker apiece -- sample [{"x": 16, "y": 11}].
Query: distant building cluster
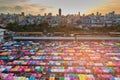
[
  {"x": 92, "y": 20},
  {"x": 98, "y": 20},
  {"x": 74, "y": 20},
  {"x": 23, "y": 19}
]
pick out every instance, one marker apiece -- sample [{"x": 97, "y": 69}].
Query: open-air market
[{"x": 60, "y": 60}]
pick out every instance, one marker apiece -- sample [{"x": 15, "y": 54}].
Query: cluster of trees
[
  {"x": 44, "y": 27},
  {"x": 27, "y": 28},
  {"x": 106, "y": 29}
]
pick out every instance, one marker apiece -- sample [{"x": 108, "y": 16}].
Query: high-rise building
[
  {"x": 49, "y": 14},
  {"x": 22, "y": 13},
  {"x": 97, "y": 13},
  {"x": 78, "y": 13},
  {"x": 45, "y": 14},
  {"x": 60, "y": 12}
]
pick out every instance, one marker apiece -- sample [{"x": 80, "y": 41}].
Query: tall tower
[
  {"x": 78, "y": 13},
  {"x": 22, "y": 13},
  {"x": 60, "y": 12}
]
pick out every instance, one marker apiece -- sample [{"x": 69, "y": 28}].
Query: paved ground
[{"x": 68, "y": 38}]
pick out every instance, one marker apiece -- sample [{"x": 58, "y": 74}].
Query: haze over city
[{"x": 68, "y": 6}]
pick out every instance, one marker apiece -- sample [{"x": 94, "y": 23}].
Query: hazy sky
[{"x": 67, "y": 6}]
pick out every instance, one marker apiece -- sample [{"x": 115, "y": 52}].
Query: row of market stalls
[{"x": 60, "y": 60}]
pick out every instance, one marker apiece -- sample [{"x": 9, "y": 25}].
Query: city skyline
[{"x": 68, "y": 7}]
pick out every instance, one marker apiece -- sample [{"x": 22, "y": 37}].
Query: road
[{"x": 68, "y": 38}]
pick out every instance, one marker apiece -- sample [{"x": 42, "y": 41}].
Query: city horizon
[
  {"x": 45, "y": 6},
  {"x": 95, "y": 13},
  {"x": 77, "y": 13}
]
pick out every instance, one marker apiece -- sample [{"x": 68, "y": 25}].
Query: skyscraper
[
  {"x": 78, "y": 13},
  {"x": 60, "y": 12},
  {"x": 22, "y": 13}
]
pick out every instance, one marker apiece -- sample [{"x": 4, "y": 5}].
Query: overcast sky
[{"x": 67, "y": 6}]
